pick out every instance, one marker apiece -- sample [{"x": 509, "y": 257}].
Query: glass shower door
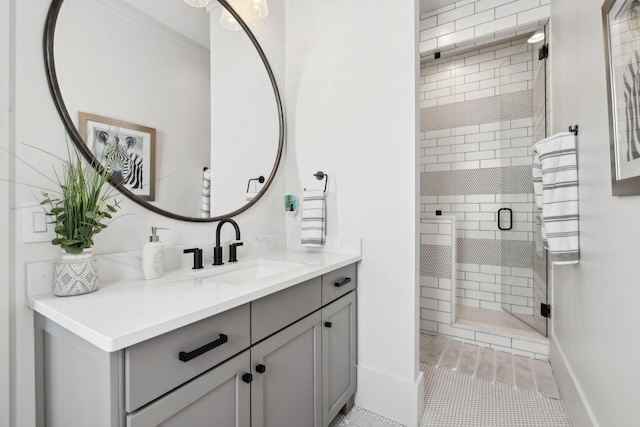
[{"x": 523, "y": 95}]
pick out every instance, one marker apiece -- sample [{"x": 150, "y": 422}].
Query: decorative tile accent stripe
[
  {"x": 508, "y": 253},
  {"x": 517, "y": 253},
  {"x": 491, "y": 109},
  {"x": 435, "y": 261},
  {"x": 509, "y": 180}
]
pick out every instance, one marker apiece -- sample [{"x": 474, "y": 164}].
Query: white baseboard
[
  {"x": 578, "y": 409},
  {"x": 391, "y": 397}
]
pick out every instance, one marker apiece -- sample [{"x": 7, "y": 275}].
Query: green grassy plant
[{"x": 84, "y": 203}]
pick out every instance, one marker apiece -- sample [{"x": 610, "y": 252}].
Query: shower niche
[{"x": 482, "y": 109}]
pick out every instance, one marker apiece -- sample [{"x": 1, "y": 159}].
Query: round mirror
[{"x": 179, "y": 102}]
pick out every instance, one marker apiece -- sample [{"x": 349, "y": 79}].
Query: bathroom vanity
[{"x": 270, "y": 341}]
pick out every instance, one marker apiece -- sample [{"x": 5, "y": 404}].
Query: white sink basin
[{"x": 244, "y": 272}]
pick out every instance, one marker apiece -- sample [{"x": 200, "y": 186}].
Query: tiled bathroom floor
[{"x": 454, "y": 399}]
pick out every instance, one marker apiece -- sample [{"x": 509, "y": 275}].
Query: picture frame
[
  {"x": 621, "y": 30},
  {"x": 130, "y": 148}
]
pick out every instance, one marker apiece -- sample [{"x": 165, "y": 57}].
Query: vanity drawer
[
  {"x": 276, "y": 311},
  {"x": 154, "y": 367},
  {"x": 337, "y": 283}
]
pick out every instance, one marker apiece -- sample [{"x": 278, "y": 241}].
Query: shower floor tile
[{"x": 493, "y": 319}]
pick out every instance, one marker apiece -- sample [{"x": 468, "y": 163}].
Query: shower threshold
[{"x": 493, "y": 321}]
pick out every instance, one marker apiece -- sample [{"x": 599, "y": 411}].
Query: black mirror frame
[{"x": 52, "y": 80}]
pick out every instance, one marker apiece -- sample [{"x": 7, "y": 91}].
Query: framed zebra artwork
[
  {"x": 621, "y": 24},
  {"x": 125, "y": 149}
]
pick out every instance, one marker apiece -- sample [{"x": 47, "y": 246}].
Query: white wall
[
  {"x": 352, "y": 105},
  {"x": 595, "y": 303},
  {"x": 36, "y": 122},
  {"x": 5, "y": 227}
]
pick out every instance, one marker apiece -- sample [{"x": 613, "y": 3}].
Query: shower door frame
[{"x": 540, "y": 294}]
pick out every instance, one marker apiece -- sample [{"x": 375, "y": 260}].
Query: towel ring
[
  {"x": 260, "y": 179},
  {"x": 320, "y": 176}
]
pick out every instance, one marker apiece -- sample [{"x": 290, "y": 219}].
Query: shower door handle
[{"x": 510, "y": 219}]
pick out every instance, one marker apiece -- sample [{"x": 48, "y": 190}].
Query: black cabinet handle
[
  {"x": 260, "y": 368},
  {"x": 510, "y": 219},
  {"x": 343, "y": 282},
  {"x": 328, "y": 324},
  {"x": 185, "y": 357},
  {"x": 247, "y": 378}
]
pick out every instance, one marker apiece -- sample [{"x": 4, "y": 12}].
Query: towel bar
[
  {"x": 260, "y": 179},
  {"x": 320, "y": 176}
]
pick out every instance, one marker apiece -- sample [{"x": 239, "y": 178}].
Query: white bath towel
[
  {"x": 313, "y": 219},
  {"x": 205, "y": 211},
  {"x": 555, "y": 183}
]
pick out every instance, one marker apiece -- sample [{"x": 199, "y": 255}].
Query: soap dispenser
[{"x": 153, "y": 255}]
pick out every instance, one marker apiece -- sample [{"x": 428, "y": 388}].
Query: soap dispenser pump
[{"x": 153, "y": 255}]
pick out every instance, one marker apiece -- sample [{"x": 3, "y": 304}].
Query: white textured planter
[{"x": 76, "y": 274}]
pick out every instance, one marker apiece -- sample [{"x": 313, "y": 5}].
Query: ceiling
[{"x": 429, "y": 5}]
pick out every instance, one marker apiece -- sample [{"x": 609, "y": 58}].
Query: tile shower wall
[
  {"x": 476, "y": 137},
  {"x": 437, "y": 275},
  {"x": 467, "y": 20}
]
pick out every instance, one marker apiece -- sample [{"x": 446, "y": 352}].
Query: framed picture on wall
[
  {"x": 129, "y": 149},
  {"x": 621, "y": 23}
]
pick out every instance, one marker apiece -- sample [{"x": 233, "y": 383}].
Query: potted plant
[{"x": 78, "y": 213}]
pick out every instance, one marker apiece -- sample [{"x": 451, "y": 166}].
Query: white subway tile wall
[
  {"x": 466, "y": 21},
  {"x": 476, "y": 285},
  {"x": 474, "y": 129}
]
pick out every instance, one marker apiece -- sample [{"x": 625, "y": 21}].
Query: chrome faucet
[{"x": 217, "y": 251}]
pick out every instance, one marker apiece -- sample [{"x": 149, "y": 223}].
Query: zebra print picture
[
  {"x": 126, "y": 150},
  {"x": 621, "y": 20}
]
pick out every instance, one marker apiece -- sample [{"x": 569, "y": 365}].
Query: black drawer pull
[
  {"x": 260, "y": 368},
  {"x": 343, "y": 282},
  {"x": 185, "y": 357},
  {"x": 247, "y": 378},
  {"x": 328, "y": 324}
]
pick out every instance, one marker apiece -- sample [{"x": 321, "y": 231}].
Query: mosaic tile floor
[
  {"x": 453, "y": 399},
  {"x": 488, "y": 364}
]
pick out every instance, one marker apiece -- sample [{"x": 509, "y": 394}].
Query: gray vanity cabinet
[
  {"x": 286, "y": 367},
  {"x": 221, "y": 397},
  {"x": 285, "y": 360},
  {"x": 338, "y": 356}
]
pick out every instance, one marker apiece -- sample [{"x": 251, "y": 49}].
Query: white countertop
[{"x": 125, "y": 313}]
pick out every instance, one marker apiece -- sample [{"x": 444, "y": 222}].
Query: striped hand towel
[
  {"x": 313, "y": 220},
  {"x": 205, "y": 211},
  {"x": 555, "y": 183}
]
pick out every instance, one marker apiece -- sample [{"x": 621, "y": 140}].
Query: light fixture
[
  {"x": 258, "y": 9},
  {"x": 228, "y": 21},
  {"x": 537, "y": 37},
  {"x": 197, "y": 3}
]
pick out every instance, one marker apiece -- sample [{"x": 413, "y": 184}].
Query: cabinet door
[
  {"x": 286, "y": 387},
  {"x": 219, "y": 398},
  {"x": 338, "y": 355}
]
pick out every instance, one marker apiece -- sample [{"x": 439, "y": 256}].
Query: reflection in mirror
[{"x": 174, "y": 69}]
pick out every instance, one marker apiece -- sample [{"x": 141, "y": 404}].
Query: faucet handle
[
  {"x": 233, "y": 253},
  {"x": 197, "y": 257}
]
